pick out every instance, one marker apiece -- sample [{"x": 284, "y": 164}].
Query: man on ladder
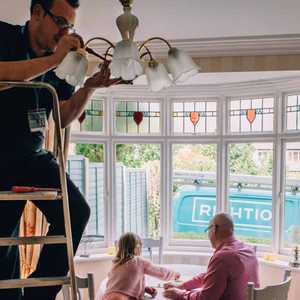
[{"x": 31, "y": 52}]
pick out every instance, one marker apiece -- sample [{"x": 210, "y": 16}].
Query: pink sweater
[
  {"x": 129, "y": 279},
  {"x": 231, "y": 267}
]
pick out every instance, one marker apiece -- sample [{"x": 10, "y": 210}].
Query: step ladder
[{"x": 62, "y": 195}]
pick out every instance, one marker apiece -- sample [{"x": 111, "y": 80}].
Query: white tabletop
[{"x": 186, "y": 271}]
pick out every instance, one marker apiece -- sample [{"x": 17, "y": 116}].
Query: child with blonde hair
[{"x": 126, "y": 279}]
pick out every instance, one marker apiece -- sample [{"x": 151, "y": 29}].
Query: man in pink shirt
[{"x": 231, "y": 267}]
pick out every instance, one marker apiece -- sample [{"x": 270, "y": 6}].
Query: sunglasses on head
[{"x": 211, "y": 226}]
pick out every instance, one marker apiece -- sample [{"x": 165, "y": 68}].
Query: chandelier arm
[
  {"x": 148, "y": 52},
  {"x": 101, "y": 39},
  {"x": 155, "y": 38},
  {"x": 107, "y": 52},
  {"x": 143, "y": 54},
  {"x": 91, "y": 51}
]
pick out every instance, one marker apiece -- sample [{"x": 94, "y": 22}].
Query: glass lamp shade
[
  {"x": 126, "y": 62},
  {"x": 73, "y": 68},
  {"x": 157, "y": 76},
  {"x": 180, "y": 65}
]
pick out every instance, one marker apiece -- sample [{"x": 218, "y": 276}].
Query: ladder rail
[{"x": 62, "y": 173}]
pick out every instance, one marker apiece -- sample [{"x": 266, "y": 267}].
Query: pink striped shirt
[
  {"x": 231, "y": 267},
  {"x": 128, "y": 279}
]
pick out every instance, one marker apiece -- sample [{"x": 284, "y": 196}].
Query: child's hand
[
  {"x": 169, "y": 285},
  {"x": 177, "y": 275},
  {"x": 151, "y": 291}
]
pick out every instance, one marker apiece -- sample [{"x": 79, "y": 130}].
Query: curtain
[{"x": 33, "y": 222}]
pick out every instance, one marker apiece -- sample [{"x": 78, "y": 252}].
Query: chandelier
[{"x": 129, "y": 60}]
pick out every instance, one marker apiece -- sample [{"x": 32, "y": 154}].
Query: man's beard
[{"x": 56, "y": 39}]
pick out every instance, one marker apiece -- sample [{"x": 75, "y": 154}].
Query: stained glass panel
[
  {"x": 251, "y": 115},
  {"x": 293, "y": 112},
  {"x": 93, "y": 120},
  {"x": 195, "y": 117},
  {"x": 137, "y": 117}
]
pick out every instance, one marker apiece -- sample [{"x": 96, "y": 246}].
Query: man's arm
[
  {"x": 25, "y": 70},
  {"x": 71, "y": 109},
  {"x": 213, "y": 283},
  {"x": 194, "y": 283}
]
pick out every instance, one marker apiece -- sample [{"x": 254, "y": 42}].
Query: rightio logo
[{"x": 242, "y": 211}]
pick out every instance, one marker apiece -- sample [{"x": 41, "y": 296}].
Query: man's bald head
[
  {"x": 221, "y": 228},
  {"x": 224, "y": 221}
]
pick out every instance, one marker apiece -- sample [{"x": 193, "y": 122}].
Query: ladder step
[
  {"x": 34, "y": 282},
  {"x": 55, "y": 239},
  {"x": 53, "y": 195}
]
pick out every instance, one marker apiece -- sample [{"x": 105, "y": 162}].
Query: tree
[
  {"x": 193, "y": 157},
  {"x": 241, "y": 159},
  {"x": 94, "y": 152},
  {"x": 136, "y": 155}
]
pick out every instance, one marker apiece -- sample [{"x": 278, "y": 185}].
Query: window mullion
[
  {"x": 222, "y": 157},
  {"x": 111, "y": 171},
  {"x": 277, "y": 175}
]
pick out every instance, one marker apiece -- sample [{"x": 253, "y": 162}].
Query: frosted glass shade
[
  {"x": 73, "y": 68},
  {"x": 180, "y": 65},
  {"x": 157, "y": 76},
  {"x": 126, "y": 62}
]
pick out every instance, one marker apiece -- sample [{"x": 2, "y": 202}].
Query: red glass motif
[{"x": 138, "y": 117}]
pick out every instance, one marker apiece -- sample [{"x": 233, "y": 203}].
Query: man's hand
[
  {"x": 66, "y": 44},
  {"x": 172, "y": 284},
  {"x": 151, "y": 291},
  {"x": 102, "y": 78},
  {"x": 172, "y": 293}
]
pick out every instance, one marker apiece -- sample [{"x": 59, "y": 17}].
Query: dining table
[{"x": 187, "y": 271}]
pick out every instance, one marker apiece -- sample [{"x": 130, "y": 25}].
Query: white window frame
[
  {"x": 88, "y": 139},
  {"x": 114, "y": 161},
  {"x": 194, "y": 141},
  {"x": 278, "y": 89}
]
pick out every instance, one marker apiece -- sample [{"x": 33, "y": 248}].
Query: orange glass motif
[
  {"x": 251, "y": 115},
  {"x": 194, "y": 117},
  {"x": 138, "y": 117}
]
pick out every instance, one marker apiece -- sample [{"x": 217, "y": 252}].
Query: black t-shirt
[{"x": 16, "y": 140}]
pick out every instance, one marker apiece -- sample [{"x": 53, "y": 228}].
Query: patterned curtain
[{"x": 33, "y": 222}]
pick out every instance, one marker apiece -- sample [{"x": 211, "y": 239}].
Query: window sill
[
  {"x": 278, "y": 263},
  {"x": 93, "y": 258},
  {"x": 281, "y": 264}
]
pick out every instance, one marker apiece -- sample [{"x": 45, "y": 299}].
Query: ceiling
[{"x": 180, "y": 20}]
